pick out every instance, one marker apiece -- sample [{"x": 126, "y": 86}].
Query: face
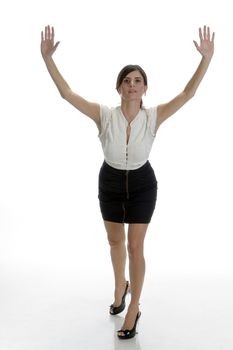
[{"x": 132, "y": 86}]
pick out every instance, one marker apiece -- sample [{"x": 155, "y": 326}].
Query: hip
[{"x": 127, "y": 181}]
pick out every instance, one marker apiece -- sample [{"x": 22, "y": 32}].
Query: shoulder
[
  {"x": 151, "y": 114},
  {"x": 151, "y": 111},
  {"x": 107, "y": 111},
  {"x": 104, "y": 110},
  {"x": 106, "y": 117}
]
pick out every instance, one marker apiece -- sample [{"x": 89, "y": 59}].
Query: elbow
[
  {"x": 189, "y": 93},
  {"x": 65, "y": 93},
  {"x": 62, "y": 93}
]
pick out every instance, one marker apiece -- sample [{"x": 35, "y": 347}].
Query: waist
[
  {"x": 126, "y": 167},
  {"x": 139, "y": 179},
  {"x": 144, "y": 169}
]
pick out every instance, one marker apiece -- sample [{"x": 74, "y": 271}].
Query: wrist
[
  {"x": 208, "y": 58},
  {"x": 46, "y": 57},
  {"x": 205, "y": 61}
]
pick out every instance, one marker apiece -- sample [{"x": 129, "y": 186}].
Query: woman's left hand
[{"x": 206, "y": 47}]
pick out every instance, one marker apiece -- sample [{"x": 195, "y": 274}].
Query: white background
[{"x": 50, "y": 154}]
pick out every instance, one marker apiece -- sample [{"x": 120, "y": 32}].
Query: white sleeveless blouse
[{"x": 113, "y": 136}]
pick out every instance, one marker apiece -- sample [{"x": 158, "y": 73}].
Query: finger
[
  {"x": 200, "y": 34},
  {"x": 196, "y": 44},
  {"x": 46, "y": 33},
  {"x": 213, "y": 36},
  {"x": 204, "y": 32},
  {"x": 42, "y": 36},
  {"x": 52, "y": 33},
  {"x": 49, "y": 34},
  {"x": 56, "y": 45},
  {"x": 208, "y": 33}
]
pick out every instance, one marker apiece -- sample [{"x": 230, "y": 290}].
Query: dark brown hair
[{"x": 128, "y": 69}]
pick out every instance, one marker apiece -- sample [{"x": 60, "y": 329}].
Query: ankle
[
  {"x": 121, "y": 284},
  {"x": 133, "y": 306}
]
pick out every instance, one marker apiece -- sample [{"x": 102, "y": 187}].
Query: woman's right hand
[{"x": 47, "y": 42}]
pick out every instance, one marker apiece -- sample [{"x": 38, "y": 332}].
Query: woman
[{"x": 127, "y": 184}]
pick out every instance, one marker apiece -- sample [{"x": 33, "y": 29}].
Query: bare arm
[
  {"x": 90, "y": 109},
  {"x": 206, "y": 49}
]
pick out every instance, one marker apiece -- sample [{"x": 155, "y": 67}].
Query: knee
[
  {"x": 135, "y": 251},
  {"x": 116, "y": 242}
]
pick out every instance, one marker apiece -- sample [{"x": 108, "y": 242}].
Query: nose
[{"x": 132, "y": 82}]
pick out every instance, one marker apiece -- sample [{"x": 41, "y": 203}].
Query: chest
[
  {"x": 128, "y": 131},
  {"x": 120, "y": 133}
]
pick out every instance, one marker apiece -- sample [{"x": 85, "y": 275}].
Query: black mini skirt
[{"x": 127, "y": 196}]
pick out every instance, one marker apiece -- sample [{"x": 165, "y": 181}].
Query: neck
[{"x": 130, "y": 109}]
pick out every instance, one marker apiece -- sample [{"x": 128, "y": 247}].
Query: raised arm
[
  {"x": 48, "y": 48},
  {"x": 206, "y": 49}
]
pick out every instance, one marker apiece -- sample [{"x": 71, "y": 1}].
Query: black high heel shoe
[
  {"x": 132, "y": 332},
  {"x": 114, "y": 310}
]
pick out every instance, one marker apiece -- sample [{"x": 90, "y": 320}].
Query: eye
[
  {"x": 126, "y": 80},
  {"x": 138, "y": 80}
]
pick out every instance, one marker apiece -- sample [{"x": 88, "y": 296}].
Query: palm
[
  {"x": 47, "y": 42},
  {"x": 206, "y": 47}
]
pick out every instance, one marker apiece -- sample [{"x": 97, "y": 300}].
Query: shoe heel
[
  {"x": 128, "y": 334},
  {"x": 114, "y": 310}
]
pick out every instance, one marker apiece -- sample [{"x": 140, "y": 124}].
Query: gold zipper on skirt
[
  {"x": 127, "y": 192},
  {"x": 127, "y": 183}
]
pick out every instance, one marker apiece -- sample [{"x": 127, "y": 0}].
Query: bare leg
[
  {"x": 136, "y": 235},
  {"x": 116, "y": 238}
]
